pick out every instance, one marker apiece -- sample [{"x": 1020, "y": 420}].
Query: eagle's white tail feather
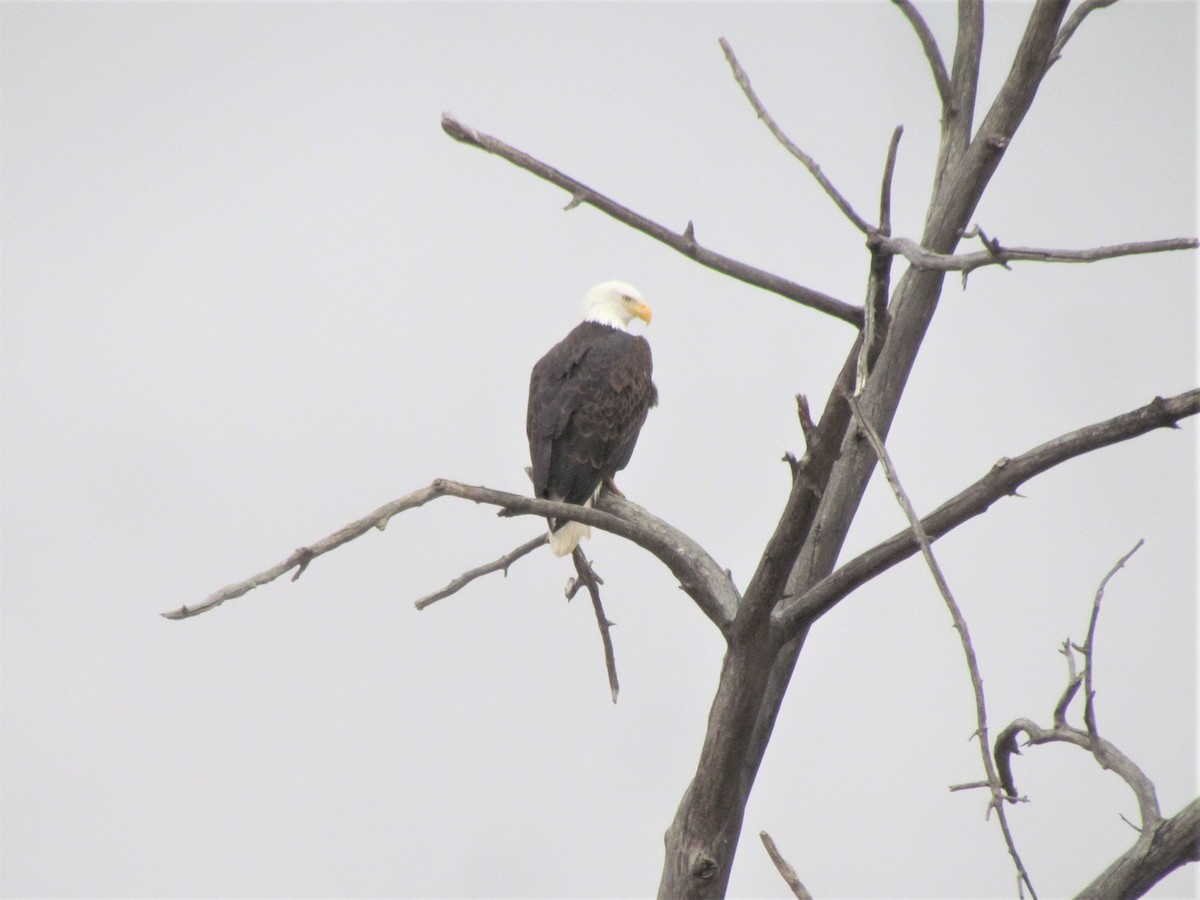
[{"x": 567, "y": 538}]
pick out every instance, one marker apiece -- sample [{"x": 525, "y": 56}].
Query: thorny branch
[
  {"x": 587, "y": 577},
  {"x": 685, "y": 243},
  {"x": 960, "y": 625}
]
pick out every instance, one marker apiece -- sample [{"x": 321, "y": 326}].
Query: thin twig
[
  {"x": 960, "y": 625},
  {"x": 885, "y": 190},
  {"x": 499, "y": 565},
  {"x": 588, "y": 578},
  {"x": 807, "y": 161},
  {"x": 879, "y": 279},
  {"x": 684, "y": 243},
  {"x": 940, "y": 77},
  {"x": 302, "y": 557},
  {"x": 1073, "y": 22},
  {"x": 807, "y": 426},
  {"x": 1089, "y": 652},
  {"x": 785, "y": 869}
]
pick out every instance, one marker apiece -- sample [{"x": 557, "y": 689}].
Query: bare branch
[
  {"x": 1107, "y": 755},
  {"x": 684, "y": 243},
  {"x": 807, "y": 426},
  {"x": 785, "y": 869},
  {"x": 1089, "y": 648},
  {"x": 807, "y": 161},
  {"x": 940, "y": 77},
  {"x": 1004, "y": 478},
  {"x": 1072, "y": 23},
  {"x": 589, "y": 579},
  {"x": 302, "y": 557},
  {"x": 1002, "y": 256},
  {"x": 699, "y": 575},
  {"x": 960, "y": 625},
  {"x": 499, "y": 565},
  {"x": 958, "y": 103},
  {"x": 885, "y": 191}
]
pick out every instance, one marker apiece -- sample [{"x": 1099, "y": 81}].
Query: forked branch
[
  {"x": 1162, "y": 844},
  {"x": 1004, "y": 478}
]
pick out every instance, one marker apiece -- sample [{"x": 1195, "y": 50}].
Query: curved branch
[
  {"x": 698, "y": 574},
  {"x": 685, "y": 243},
  {"x": 964, "y": 634},
  {"x": 1157, "y": 853},
  {"x": 1072, "y": 23},
  {"x": 1122, "y": 765},
  {"x": 940, "y": 77},
  {"x": 807, "y": 161},
  {"x": 1004, "y": 478}
]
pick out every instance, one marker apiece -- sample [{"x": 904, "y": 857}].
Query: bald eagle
[{"x": 588, "y": 399}]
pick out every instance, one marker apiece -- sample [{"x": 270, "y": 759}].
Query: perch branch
[
  {"x": 499, "y": 565},
  {"x": 699, "y": 575},
  {"x": 807, "y": 161},
  {"x": 587, "y": 577},
  {"x": 960, "y": 625},
  {"x": 784, "y": 868},
  {"x": 684, "y": 243},
  {"x": 940, "y": 77},
  {"x": 1004, "y": 478}
]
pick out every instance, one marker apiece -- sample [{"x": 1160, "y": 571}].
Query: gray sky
[{"x": 251, "y": 291}]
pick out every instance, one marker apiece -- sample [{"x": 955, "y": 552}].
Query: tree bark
[{"x": 1158, "y": 852}]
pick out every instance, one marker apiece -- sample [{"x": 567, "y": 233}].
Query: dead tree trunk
[{"x": 702, "y": 840}]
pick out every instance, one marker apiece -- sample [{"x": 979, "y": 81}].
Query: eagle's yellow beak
[{"x": 639, "y": 309}]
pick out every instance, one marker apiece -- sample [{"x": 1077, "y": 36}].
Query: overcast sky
[{"x": 251, "y": 292}]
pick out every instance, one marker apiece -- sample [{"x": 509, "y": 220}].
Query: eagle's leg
[{"x": 611, "y": 485}]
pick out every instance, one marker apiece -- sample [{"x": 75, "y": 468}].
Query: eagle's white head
[{"x": 615, "y": 303}]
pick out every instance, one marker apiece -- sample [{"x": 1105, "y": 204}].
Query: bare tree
[{"x": 797, "y": 579}]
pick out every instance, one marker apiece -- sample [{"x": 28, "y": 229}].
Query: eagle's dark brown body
[{"x": 588, "y": 399}]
